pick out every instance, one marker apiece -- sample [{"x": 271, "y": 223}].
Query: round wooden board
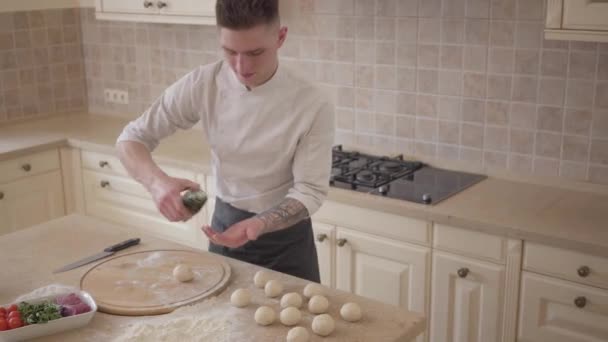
[{"x": 142, "y": 283}]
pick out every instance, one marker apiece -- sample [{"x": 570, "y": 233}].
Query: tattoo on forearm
[{"x": 286, "y": 214}]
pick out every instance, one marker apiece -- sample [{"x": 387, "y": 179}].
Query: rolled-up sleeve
[
  {"x": 171, "y": 111},
  {"x": 312, "y": 161}
]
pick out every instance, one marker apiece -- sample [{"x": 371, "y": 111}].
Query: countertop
[
  {"x": 542, "y": 213},
  {"x": 38, "y": 250}
]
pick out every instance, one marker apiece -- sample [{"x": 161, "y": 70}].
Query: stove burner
[
  {"x": 390, "y": 167},
  {"x": 366, "y": 176}
]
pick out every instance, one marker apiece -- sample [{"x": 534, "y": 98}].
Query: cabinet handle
[
  {"x": 580, "y": 302},
  {"x": 148, "y": 4},
  {"x": 103, "y": 163},
  {"x": 463, "y": 272},
  {"x": 321, "y": 237},
  {"x": 104, "y": 184},
  {"x": 583, "y": 271},
  {"x": 26, "y": 167},
  {"x": 161, "y": 4},
  {"x": 342, "y": 242},
  {"x": 1, "y": 195}
]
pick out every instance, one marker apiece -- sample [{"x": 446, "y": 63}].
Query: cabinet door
[
  {"x": 127, "y": 6},
  {"x": 585, "y": 15},
  {"x": 324, "y": 241},
  {"x": 189, "y": 7},
  {"x": 391, "y": 272},
  {"x": 31, "y": 200},
  {"x": 561, "y": 311},
  {"x": 466, "y": 300}
]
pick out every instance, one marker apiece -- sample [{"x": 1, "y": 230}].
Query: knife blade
[{"x": 104, "y": 254}]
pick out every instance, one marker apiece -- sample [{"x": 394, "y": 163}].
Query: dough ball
[
  {"x": 261, "y": 278},
  {"x": 240, "y": 298},
  {"x": 318, "y": 304},
  {"x": 298, "y": 334},
  {"x": 351, "y": 312},
  {"x": 264, "y": 315},
  {"x": 323, "y": 325},
  {"x": 183, "y": 273},
  {"x": 313, "y": 289},
  {"x": 291, "y": 299},
  {"x": 290, "y": 316},
  {"x": 273, "y": 288}
]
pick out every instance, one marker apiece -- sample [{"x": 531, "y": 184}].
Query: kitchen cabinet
[
  {"x": 325, "y": 238},
  {"x": 110, "y": 194},
  {"x": 201, "y": 12},
  {"x": 475, "y": 281},
  {"x": 388, "y": 271},
  {"x": 564, "y": 296},
  {"x": 584, "y": 20},
  {"x": 31, "y": 190},
  {"x": 30, "y": 200}
]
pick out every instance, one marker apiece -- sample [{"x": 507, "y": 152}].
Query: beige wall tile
[
  {"x": 454, "y": 8},
  {"x": 386, "y": 77},
  {"x": 582, "y": 65},
  {"x": 426, "y": 129},
  {"x": 365, "y": 122},
  {"x": 405, "y": 126},
  {"x": 600, "y": 123},
  {"x": 530, "y": 9},
  {"x": 475, "y": 58},
  {"x": 364, "y": 76},
  {"x": 495, "y": 160},
  {"x": 364, "y": 7},
  {"x": 386, "y": 28},
  {"x": 451, "y": 57},
  {"x": 345, "y": 97},
  {"x": 583, "y": 46},
  {"x": 428, "y": 150},
  {"x": 575, "y": 148},
  {"x": 520, "y": 163},
  {"x": 497, "y": 113},
  {"x": 502, "y": 9},
  {"x": 406, "y": 103},
  {"x": 550, "y": 118},
  {"x": 527, "y": 61},
  {"x": 426, "y": 105},
  {"x": 602, "y": 73},
  {"x": 448, "y": 132},
  {"x": 406, "y": 79},
  {"x": 601, "y": 95},
  {"x": 474, "y": 85},
  {"x": 449, "y": 108},
  {"x": 548, "y": 145},
  {"x": 365, "y": 52},
  {"x": 552, "y": 91},
  {"x": 386, "y": 101},
  {"x": 574, "y": 171},
  {"x": 473, "y": 110},
  {"x": 450, "y": 83},
  {"x": 407, "y": 8},
  {"x": 554, "y": 63},
  {"x": 502, "y": 33},
  {"x": 598, "y": 174},
  {"x": 522, "y": 141},
  {"x": 385, "y": 53},
  {"x": 407, "y": 30},
  {"x": 497, "y": 138},
  {"x": 577, "y": 121},
  {"x": 429, "y": 30},
  {"x": 579, "y": 94},
  {"x": 428, "y": 56},
  {"x": 364, "y": 99},
  {"x": 385, "y": 124},
  {"x": 428, "y": 81},
  {"x": 500, "y": 60},
  {"x": 546, "y": 167},
  {"x": 447, "y": 151},
  {"x": 472, "y": 135},
  {"x": 326, "y": 49},
  {"x": 407, "y": 55},
  {"x": 477, "y": 31},
  {"x": 525, "y": 89},
  {"x": 528, "y": 34},
  {"x": 429, "y": 8},
  {"x": 365, "y": 28},
  {"x": 472, "y": 156},
  {"x": 386, "y": 8},
  {"x": 478, "y": 8},
  {"x": 523, "y": 115},
  {"x": 499, "y": 87},
  {"x": 452, "y": 31},
  {"x": 26, "y": 77}
]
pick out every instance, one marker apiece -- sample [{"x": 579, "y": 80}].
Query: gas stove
[{"x": 397, "y": 178}]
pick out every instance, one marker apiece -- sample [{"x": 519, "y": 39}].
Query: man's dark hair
[{"x": 245, "y": 14}]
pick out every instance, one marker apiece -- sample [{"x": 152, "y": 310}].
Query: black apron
[{"x": 291, "y": 250}]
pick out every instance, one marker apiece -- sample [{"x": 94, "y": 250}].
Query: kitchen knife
[{"x": 106, "y": 253}]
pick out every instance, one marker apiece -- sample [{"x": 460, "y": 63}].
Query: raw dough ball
[
  {"x": 298, "y": 334},
  {"x": 183, "y": 273},
  {"x": 291, "y": 299},
  {"x": 313, "y": 289},
  {"x": 351, "y": 312},
  {"x": 264, "y": 315},
  {"x": 323, "y": 325},
  {"x": 273, "y": 288},
  {"x": 290, "y": 316},
  {"x": 318, "y": 304},
  {"x": 261, "y": 278},
  {"x": 240, "y": 298}
]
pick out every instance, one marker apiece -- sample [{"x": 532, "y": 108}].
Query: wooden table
[{"x": 30, "y": 255}]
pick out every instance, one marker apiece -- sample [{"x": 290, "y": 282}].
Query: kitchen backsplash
[
  {"x": 471, "y": 81},
  {"x": 41, "y": 64}
]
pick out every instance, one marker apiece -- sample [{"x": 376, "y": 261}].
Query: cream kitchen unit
[
  {"x": 198, "y": 12},
  {"x": 31, "y": 190},
  {"x": 584, "y": 20}
]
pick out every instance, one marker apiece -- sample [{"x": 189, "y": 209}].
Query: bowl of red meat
[{"x": 45, "y": 316}]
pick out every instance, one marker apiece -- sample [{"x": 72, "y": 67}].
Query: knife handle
[{"x": 122, "y": 245}]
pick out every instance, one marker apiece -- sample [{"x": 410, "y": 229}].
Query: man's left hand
[{"x": 236, "y": 235}]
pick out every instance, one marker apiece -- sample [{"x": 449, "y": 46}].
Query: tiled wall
[
  {"x": 41, "y": 64},
  {"x": 465, "y": 80}
]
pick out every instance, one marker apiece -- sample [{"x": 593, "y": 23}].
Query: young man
[{"x": 270, "y": 133}]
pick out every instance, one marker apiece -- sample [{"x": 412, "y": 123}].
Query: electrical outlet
[{"x": 116, "y": 96}]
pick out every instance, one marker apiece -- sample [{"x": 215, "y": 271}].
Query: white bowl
[{"x": 52, "y": 327}]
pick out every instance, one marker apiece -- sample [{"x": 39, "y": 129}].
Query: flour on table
[
  {"x": 47, "y": 291},
  {"x": 199, "y": 322}
]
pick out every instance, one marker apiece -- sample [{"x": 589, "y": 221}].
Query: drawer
[
  {"x": 124, "y": 201},
  {"x": 471, "y": 243},
  {"x": 561, "y": 311},
  {"x": 111, "y": 164},
  {"x": 566, "y": 264},
  {"x": 375, "y": 222},
  {"x": 31, "y": 164}
]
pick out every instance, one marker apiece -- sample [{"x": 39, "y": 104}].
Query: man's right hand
[{"x": 166, "y": 192}]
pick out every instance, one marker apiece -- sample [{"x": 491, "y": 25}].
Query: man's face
[{"x": 252, "y": 53}]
